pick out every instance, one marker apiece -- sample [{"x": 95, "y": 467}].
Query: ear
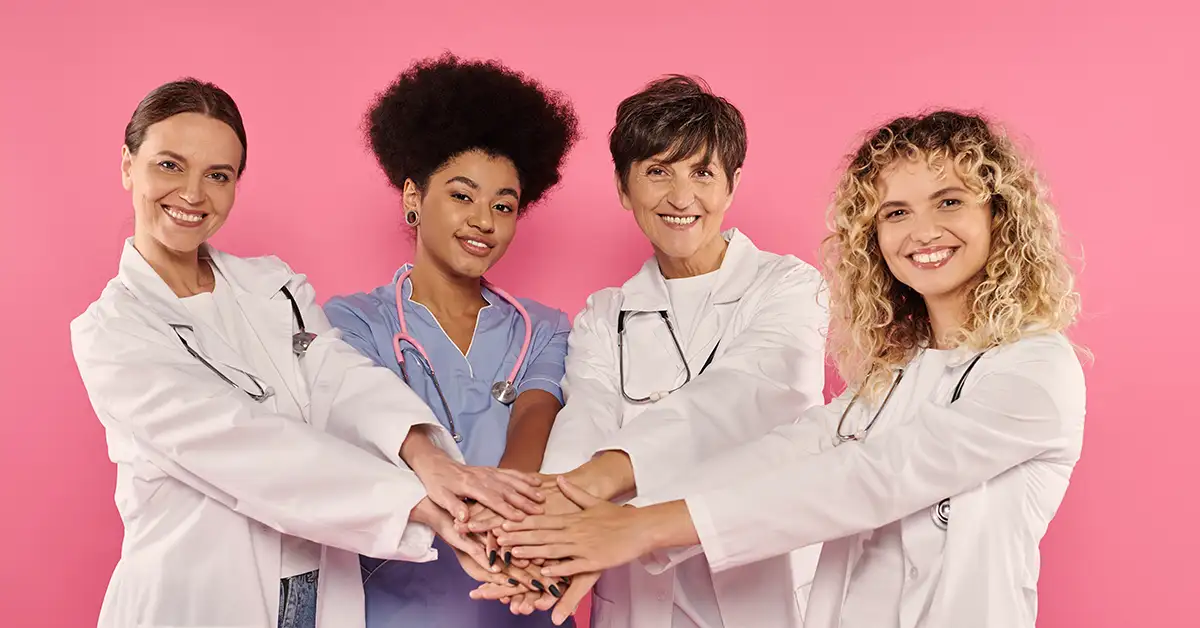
[
  {"x": 411, "y": 197},
  {"x": 737, "y": 180},
  {"x": 621, "y": 193},
  {"x": 126, "y": 168}
]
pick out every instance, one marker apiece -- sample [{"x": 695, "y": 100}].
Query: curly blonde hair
[{"x": 878, "y": 323}]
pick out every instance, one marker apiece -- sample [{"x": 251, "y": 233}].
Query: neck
[
  {"x": 180, "y": 270},
  {"x": 437, "y": 289},
  {"x": 706, "y": 260},
  {"x": 947, "y": 315}
]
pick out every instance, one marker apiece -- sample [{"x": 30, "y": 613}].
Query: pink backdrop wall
[{"x": 1099, "y": 95}]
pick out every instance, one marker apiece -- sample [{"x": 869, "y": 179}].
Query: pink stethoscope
[{"x": 504, "y": 392}]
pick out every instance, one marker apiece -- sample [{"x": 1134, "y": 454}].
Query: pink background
[{"x": 1105, "y": 97}]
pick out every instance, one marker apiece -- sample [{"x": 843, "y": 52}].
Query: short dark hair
[
  {"x": 187, "y": 95},
  {"x": 442, "y": 107},
  {"x": 679, "y": 114}
]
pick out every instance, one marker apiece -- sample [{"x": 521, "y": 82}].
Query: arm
[
  {"x": 538, "y": 402},
  {"x": 593, "y": 406},
  {"x": 768, "y": 374},
  {"x": 271, "y": 468},
  {"x": 1008, "y": 417},
  {"x": 1023, "y": 410}
]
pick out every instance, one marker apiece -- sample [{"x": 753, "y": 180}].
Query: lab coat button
[{"x": 912, "y": 573}]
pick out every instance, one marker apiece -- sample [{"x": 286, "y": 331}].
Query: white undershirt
[
  {"x": 219, "y": 311},
  {"x": 695, "y": 595}
]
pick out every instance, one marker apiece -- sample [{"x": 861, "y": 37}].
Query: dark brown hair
[
  {"x": 681, "y": 116},
  {"x": 187, "y": 95}
]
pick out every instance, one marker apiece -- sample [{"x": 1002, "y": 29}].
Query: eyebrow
[
  {"x": 467, "y": 181},
  {"x": 933, "y": 197},
  {"x": 183, "y": 160}
]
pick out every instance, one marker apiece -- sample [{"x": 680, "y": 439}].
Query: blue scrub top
[{"x": 401, "y": 594}]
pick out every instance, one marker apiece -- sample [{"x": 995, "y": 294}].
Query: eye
[
  {"x": 950, "y": 203},
  {"x": 705, "y": 174},
  {"x": 656, "y": 171},
  {"x": 459, "y": 196},
  {"x": 895, "y": 213},
  {"x": 219, "y": 177},
  {"x": 167, "y": 164},
  {"x": 501, "y": 207}
]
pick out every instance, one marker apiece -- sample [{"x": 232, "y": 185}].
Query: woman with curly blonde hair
[{"x": 950, "y": 295}]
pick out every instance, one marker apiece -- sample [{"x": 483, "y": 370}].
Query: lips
[
  {"x": 929, "y": 259},
  {"x": 677, "y": 222},
  {"x": 183, "y": 217},
  {"x": 476, "y": 246}
]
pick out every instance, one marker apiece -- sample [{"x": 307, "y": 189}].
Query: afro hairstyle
[{"x": 442, "y": 107}]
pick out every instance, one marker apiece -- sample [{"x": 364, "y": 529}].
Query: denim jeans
[{"x": 298, "y": 601}]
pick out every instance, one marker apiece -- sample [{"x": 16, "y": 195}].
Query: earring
[{"x": 412, "y": 218}]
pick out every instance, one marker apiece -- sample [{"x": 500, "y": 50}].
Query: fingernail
[
  {"x": 508, "y": 559},
  {"x": 468, "y": 500},
  {"x": 492, "y": 558},
  {"x": 513, "y": 581},
  {"x": 554, "y": 591},
  {"x": 565, "y": 580},
  {"x": 537, "y": 585}
]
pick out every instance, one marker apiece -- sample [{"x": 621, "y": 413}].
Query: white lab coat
[
  {"x": 769, "y": 313},
  {"x": 208, "y": 479},
  {"x": 1003, "y": 453}
]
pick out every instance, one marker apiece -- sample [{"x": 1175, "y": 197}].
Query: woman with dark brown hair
[{"x": 255, "y": 449}]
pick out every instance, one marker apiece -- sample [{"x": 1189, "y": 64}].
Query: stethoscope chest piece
[
  {"x": 940, "y": 513},
  {"x": 301, "y": 341},
  {"x": 457, "y": 437},
  {"x": 504, "y": 392}
]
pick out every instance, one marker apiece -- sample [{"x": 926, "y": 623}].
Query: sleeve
[
  {"x": 770, "y": 373},
  {"x": 592, "y": 409},
  {"x": 212, "y": 437},
  {"x": 1027, "y": 410},
  {"x": 346, "y": 315},
  {"x": 367, "y": 405},
  {"x": 547, "y": 367}
]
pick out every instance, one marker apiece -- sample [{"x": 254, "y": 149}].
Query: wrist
[
  {"x": 666, "y": 525},
  {"x": 419, "y": 451}
]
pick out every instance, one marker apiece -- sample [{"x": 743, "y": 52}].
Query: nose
[
  {"x": 193, "y": 190},
  {"x": 481, "y": 218},
  {"x": 681, "y": 195},
  {"x": 926, "y": 228}
]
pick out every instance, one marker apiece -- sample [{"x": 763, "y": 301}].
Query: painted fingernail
[
  {"x": 554, "y": 591},
  {"x": 508, "y": 559},
  {"x": 513, "y": 581},
  {"x": 565, "y": 580},
  {"x": 492, "y": 558},
  {"x": 537, "y": 585}
]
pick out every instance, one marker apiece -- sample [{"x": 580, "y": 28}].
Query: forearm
[
  {"x": 667, "y": 525},
  {"x": 529, "y": 430},
  {"x": 419, "y": 449}
]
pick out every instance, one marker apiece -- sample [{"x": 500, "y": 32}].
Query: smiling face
[
  {"x": 934, "y": 233},
  {"x": 680, "y": 205},
  {"x": 183, "y": 181},
  {"x": 468, "y": 213}
]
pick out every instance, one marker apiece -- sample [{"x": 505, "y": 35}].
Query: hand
[
  {"x": 439, "y": 521},
  {"x": 602, "y": 536},
  {"x": 447, "y": 482},
  {"x": 576, "y": 591},
  {"x": 539, "y": 593}
]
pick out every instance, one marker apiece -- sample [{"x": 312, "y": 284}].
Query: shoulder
[
  {"x": 788, "y": 272},
  {"x": 113, "y": 320},
  {"x": 373, "y": 308},
  {"x": 601, "y": 306},
  {"x": 1046, "y": 360},
  {"x": 543, "y": 316}
]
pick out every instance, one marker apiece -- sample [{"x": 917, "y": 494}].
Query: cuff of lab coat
[
  {"x": 415, "y": 540},
  {"x": 660, "y": 561},
  {"x": 439, "y": 435},
  {"x": 651, "y": 470},
  {"x": 706, "y": 529}
]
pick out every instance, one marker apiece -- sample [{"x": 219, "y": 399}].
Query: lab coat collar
[{"x": 647, "y": 290}]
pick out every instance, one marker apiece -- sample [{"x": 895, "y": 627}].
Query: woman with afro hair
[{"x": 471, "y": 146}]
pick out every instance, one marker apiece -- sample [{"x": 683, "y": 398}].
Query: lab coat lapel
[
  {"x": 144, "y": 283},
  {"x": 268, "y": 311}
]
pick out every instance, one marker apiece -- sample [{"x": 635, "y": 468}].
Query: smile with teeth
[
  {"x": 679, "y": 220},
  {"x": 935, "y": 257},
  {"x": 181, "y": 215},
  {"x": 476, "y": 243}
]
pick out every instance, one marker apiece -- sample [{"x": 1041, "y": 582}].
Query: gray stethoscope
[
  {"x": 939, "y": 512},
  {"x": 654, "y": 396},
  {"x": 300, "y": 343}
]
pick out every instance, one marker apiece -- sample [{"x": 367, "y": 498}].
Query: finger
[
  {"x": 528, "y": 479},
  {"x": 492, "y": 550},
  {"x": 539, "y": 561},
  {"x": 495, "y": 500},
  {"x": 536, "y": 522},
  {"x": 522, "y": 487},
  {"x": 571, "y": 598},
  {"x": 534, "y": 537},
  {"x": 560, "y": 550},
  {"x": 450, "y": 503},
  {"x": 497, "y": 591},
  {"x": 582, "y": 498},
  {"x": 517, "y": 499},
  {"x": 519, "y": 562},
  {"x": 485, "y": 520},
  {"x": 568, "y": 568},
  {"x": 532, "y": 579}
]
